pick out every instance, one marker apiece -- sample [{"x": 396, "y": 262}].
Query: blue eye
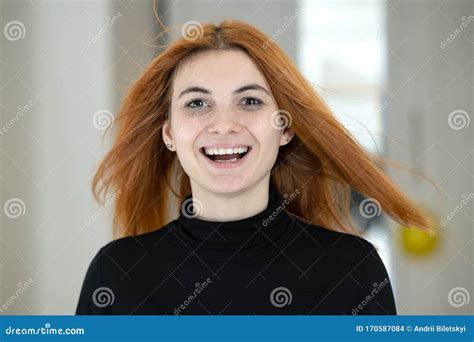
[
  {"x": 199, "y": 103},
  {"x": 255, "y": 104},
  {"x": 189, "y": 104}
]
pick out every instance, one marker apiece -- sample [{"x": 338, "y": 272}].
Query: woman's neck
[{"x": 212, "y": 206}]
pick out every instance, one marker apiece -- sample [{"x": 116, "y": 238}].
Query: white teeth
[
  {"x": 221, "y": 151},
  {"x": 227, "y": 161}
]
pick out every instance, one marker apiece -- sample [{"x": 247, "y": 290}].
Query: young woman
[{"x": 223, "y": 122}]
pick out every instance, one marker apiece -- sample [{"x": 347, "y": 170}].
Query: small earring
[{"x": 169, "y": 146}]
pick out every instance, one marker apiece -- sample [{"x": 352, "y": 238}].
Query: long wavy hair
[{"x": 323, "y": 161}]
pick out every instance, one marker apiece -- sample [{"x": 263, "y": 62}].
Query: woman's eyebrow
[{"x": 195, "y": 89}]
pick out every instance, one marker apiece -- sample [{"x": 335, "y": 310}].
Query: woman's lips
[
  {"x": 225, "y": 145},
  {"x": 226, "y": 164}
]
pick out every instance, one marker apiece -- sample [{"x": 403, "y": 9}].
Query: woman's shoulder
[
  {"x": 331, "y": 240},
  {"x": 345, "y": 255},
  {"x": 134, "y": 246}
]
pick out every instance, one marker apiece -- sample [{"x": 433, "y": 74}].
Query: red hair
[{"x": 323, "y": 161}]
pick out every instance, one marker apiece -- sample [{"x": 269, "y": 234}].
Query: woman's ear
[
  {"x": 286, "y": 137},
  {"x": 166, "y": 132},
  {"x": 167, "y": 137}
]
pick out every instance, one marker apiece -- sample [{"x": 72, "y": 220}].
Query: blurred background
[{"x": 399, "y": 74}]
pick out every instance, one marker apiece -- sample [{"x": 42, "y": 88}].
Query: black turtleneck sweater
[{"x": 271, "y": 263}]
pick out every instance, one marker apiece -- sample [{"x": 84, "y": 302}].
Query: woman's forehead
[{"x": 219, "y": 70}]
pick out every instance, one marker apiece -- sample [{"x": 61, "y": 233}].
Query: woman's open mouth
[{"x": 225, "y": 157}]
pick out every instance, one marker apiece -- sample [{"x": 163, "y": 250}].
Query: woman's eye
[
  {"x": 257, "y": 103},
  {"x": 199, "y": 103},
  {"x": 195, "y": 103}
]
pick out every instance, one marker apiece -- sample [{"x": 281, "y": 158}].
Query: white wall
[
  {"x": 268, "y": 16},
  {"x": 427, "y": 83},
  {"x": 69, "y": 66}
]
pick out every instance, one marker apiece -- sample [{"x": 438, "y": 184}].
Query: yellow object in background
[{"x": 419, "y": 242}]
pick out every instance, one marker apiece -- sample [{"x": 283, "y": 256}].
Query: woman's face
[{"x": 220, "y": 100}]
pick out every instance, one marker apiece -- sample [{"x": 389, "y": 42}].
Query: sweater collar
[{"x": 247, "y": 232}]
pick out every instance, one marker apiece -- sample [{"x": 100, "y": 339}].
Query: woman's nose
[{"x": 224, "y": 122}]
